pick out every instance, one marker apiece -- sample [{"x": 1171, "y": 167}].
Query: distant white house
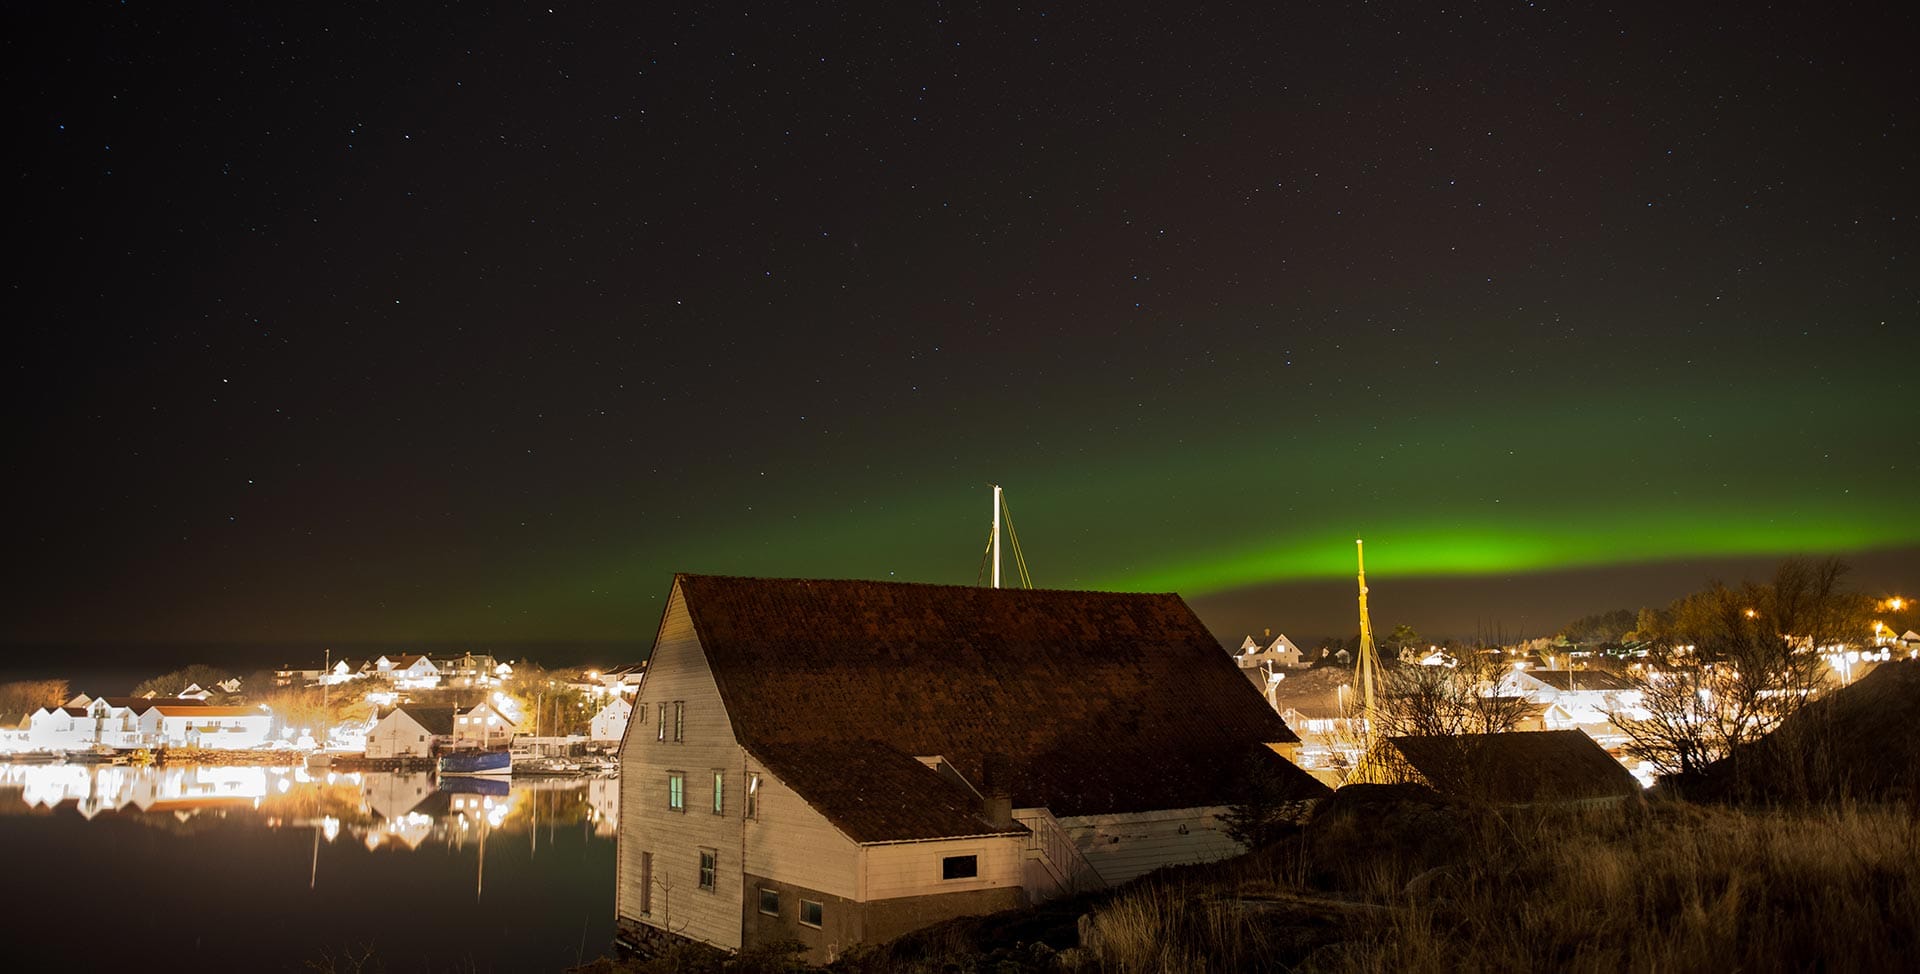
[
  {"x": 222, "y": 728},
  {"x": 483, "y": 725},
  {"x": 113, "y": 721},
  {"x": 610, "y": 724},
  {"x": 407, "y": 671},
  {"x": 1579, "y": 699},
  {"x": 346, "y": 671},
  {"x": 471, "y": 671},
  {"x": 410, "y": 732}
]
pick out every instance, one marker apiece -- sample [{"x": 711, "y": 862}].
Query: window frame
[
  {"x": 819, "y": 914},
  {"x": 752, "y": 813},
  {"x": 677, "y": 792},
  {"x": 709, "y": 870},
  {"x": 719, "y": 791},
  {"x": 764, "y": 893},
  {"x": 663, "y": 721},
  {"x": 679, "y": 721},
  {"x": 950, "y": 864}
]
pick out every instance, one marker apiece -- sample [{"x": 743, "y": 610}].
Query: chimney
[
  {"x": 996, "y": 802},
  {"x": 997, "y": 810}
]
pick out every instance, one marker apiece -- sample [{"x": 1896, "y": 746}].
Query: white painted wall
[
  {"x": 610, "y": 724},
  {"x": 398, "y": 735},
  {"x": 678, "y": 672},
  {"x": 913, "y": 868},
  {"x": 792, "y": 843}
]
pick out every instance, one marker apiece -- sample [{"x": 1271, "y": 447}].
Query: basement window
[
  {"x": 809, "y": 913},
  {"x": 959, "y": 867}
]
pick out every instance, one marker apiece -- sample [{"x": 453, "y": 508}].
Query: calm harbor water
[{"x": 285, "y": 869}]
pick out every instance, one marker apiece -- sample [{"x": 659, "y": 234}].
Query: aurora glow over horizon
[{"x": 487, "y": 341}]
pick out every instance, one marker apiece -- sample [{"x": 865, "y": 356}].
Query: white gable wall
[
  {"x": 398, "y": 735},
  {"x": 793, "y": 843},
  {"x": 678, "y": 672}
]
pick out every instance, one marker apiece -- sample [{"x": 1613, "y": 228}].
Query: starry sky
[{"x": 478, "y": 322}]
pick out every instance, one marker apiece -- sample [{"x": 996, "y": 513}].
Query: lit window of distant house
[
  {"x": 676, "y": 791},
  {"x": 753, "y": 796},
  {"x": 719, "y": 793},
  {"x": 810, "y": 913},
  {"x": 959, "y": 867},
  {"x": 770, "y": 902},
  {"x": 663, "y": 722},
  {"x": 709, "y": 868},
  {"x": 679, "y": 720}
]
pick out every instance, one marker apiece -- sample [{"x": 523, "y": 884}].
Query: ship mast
[
  {"x": 994, "y": 543},
  {"x": 1368, "y": 661}
]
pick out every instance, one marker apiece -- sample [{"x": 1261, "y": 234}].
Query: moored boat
[{"x": 477, "y": 763}]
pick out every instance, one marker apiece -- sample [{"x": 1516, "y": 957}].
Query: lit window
[
  {"x": 810, "y": 913},
  {"x": 676, "y": 791},
  {"x": 753, "y": 796},
  {"x": 663, "y": 722},
  {"x": 709, "y": 868},
  {"x": 770, "y": 902},
  {"x": 959, "y": 867},
  {"x": 719, "y": 793},
  {"x": 679, "y": 720}
]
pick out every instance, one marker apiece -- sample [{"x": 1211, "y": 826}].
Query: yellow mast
[{"x": 1368, "y": 661}]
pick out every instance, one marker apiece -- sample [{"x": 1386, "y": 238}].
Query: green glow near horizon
[{"x": 1460, "y": 488}]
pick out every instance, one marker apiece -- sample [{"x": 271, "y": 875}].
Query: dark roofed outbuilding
[
  {"x": 1081, "y": 702},
  {"x": 1520, "y": 767}
]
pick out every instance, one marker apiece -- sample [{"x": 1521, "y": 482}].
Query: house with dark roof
[
  {"x": 411, "y": 732},
  {"x": 843, "y": 761},
  {"x": 407, "y": 671},
  {"x": 1516, "y": 768}
]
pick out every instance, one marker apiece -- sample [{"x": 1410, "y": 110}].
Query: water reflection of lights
[{"x": 382, "y": 809}]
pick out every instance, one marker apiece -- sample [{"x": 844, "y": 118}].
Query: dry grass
[{"x": 1674, "y": 888}]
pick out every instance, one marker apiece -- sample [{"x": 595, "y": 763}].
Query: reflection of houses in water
[
  {"x": 603, "y": 797},
  {"x": 180, "y": 790}
]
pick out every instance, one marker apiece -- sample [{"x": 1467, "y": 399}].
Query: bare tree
[
  {"x": 1738, "y": 661},
  {"x": 1446, "y": 701}
]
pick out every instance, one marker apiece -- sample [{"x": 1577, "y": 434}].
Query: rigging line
[
  {"x": 1019, "y": 557},
  {"x": 980, "y": 577}
]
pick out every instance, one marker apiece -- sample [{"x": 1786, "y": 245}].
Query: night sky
[{"x": 479, "y": 322}]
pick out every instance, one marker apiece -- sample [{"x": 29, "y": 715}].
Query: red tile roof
[{"x": 1082, "y": 702}]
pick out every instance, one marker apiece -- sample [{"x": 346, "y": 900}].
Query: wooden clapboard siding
[
  {"x": 1121, "y": 847},
  {"x": 678, "y": 672},
  {"x": 793, "y": 843},
  {"x": 913, "y": 868}
]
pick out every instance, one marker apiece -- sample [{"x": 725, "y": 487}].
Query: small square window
[
  {"x": 810, "y": 913},
  {"x": 770, "y": 902},
  {"x": 959, "y": 867},
  {"x": 709, "y": 869}
]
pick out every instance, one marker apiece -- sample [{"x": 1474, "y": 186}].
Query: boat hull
[{"x": 478, "y": 763}]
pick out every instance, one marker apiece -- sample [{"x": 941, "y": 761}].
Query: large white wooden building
[
  {"x": 411, "y": 732},
  {"x": 835, "y": 762}
]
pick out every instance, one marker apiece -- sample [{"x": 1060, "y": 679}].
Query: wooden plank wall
[{"x": 679, "y": 672}]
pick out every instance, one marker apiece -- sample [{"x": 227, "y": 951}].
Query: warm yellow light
[{"x": 1751, "y": 614}]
